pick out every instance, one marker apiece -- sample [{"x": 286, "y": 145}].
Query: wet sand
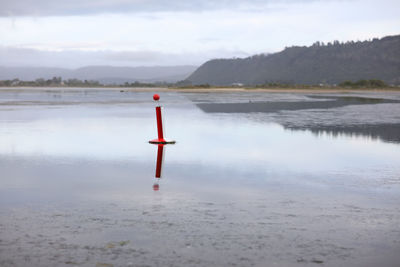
[
  {"x": 238, "y": 189},
  {"x": 327, "y": 102},
  {"x": 386, "y": 131}
]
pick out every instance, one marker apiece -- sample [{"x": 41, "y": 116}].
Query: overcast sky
[{"x": 73, "y": 33}]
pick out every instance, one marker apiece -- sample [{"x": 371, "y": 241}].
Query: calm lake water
[{"x": 255, "y": 179}]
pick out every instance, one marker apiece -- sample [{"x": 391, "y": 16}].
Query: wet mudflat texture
[
  {"x": 276, "y": 188},
  {"x": 353, "y": 114}
]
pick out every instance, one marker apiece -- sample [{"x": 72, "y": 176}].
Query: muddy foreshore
[{"x": 257, "y": 178}]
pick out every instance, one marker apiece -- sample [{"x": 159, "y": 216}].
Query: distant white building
[
  {"x": 14, "y": 82},
  {"x": 237, "y": 84}
]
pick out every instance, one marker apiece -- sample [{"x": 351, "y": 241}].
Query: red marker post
[
  {"x": 160, "y": 130},
  {"x": 160, "y": 141}
]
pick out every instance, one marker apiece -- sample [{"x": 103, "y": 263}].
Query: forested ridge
[{"x": 330, "y": 63}]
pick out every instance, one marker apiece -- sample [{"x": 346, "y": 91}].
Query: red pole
[
  {"x": 159, "y": 123},
  {"x": 160, "y": 129}
]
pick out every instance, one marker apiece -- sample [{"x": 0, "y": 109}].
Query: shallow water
[{"x": 244, "y": 189}]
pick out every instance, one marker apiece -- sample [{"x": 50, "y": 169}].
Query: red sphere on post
[{"x": 156, "y": 97}]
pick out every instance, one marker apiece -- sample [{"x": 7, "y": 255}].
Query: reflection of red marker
[
  {"x": 156, "y": 187},
  {"x": 160, "y": 130},
  {"x": 160, "y": 154}
]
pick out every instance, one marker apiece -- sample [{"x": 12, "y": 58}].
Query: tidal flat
[{"x": 255, "y": 178}]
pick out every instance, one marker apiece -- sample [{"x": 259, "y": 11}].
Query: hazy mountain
[
  {"x": 330, "y": 63},
  {"x": 104, "y": 74}
]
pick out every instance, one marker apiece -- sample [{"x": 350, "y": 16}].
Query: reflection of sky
[{"x": 121, "y": 133}]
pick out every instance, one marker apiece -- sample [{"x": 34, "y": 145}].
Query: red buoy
[{"x": 156, "y": 97}]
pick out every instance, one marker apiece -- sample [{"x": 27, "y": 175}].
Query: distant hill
[
  {"x": 103, "y": 74},
  {"x": 330, "y": 63}
]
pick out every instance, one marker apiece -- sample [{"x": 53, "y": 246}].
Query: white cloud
[
  {"x": 187, "y": 37},
  {"x": 83, "y": 7},
  {"x": 14, "y": 57}
]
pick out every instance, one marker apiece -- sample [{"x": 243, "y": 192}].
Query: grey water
[{"x": 283, "y": 181}]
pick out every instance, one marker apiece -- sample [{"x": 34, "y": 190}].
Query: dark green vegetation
[
  {"x": 364, "y": 84},
  {"x": 331, "y": 63},
  {"x": 58, "y": 82},
  {"x": 361, "y": 84},
  {"x": 55, "y": 81}
]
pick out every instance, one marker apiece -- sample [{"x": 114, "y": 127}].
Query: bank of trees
[
  {"x": 58, "y": 82},
  {"x": 374, "y": 83},
  {"x": 55, "y": 82},
  {"x": 330, "y": 63}
]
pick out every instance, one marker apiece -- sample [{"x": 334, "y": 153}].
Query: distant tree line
[
  {"x": 59, "y": 82},
  {"x": 338, "y": 43},
  {"x": 139, "y": 84},
  {"x": 374, "y": 83},
  {"x": 55, "y": 82}
]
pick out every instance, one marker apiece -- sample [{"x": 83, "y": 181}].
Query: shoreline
[{"x": 201, "y": 90}]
